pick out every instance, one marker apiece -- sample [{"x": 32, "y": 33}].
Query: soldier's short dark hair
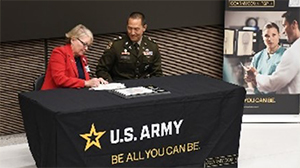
[
  {"x": 292, "y": 15},
  {"x": 138, "y": 15}
]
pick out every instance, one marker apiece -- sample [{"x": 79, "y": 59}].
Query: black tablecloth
[{"x": 198, "y": 123}]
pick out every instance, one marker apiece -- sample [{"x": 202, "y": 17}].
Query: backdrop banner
[{"x": 249, "y": 24}]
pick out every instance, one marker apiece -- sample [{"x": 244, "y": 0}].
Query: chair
[{"x": 38, "y": 83}]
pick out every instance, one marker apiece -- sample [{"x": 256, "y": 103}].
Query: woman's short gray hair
[{"x": 79, "y": 31}]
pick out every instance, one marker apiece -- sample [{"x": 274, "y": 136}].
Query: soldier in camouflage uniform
[{"x": 132, "y": 56}]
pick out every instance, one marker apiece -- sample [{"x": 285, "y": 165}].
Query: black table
[{"x": 198, "y": 123}]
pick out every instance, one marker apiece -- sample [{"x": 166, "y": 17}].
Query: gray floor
[
  {"x": 13, "y": 139},
  {"x": 264, "y": 145},
  {"x": 14, "y": 152}
]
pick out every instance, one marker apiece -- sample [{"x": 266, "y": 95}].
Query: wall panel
[{"x": 21, "y": 63}]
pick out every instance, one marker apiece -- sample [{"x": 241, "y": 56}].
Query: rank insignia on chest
[
  {"x": 125, "y": 52},
  {"x": 148, "y": 53},
  {"x": 125, "y": 57}
]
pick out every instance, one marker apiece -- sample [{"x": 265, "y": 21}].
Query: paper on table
[
  {"x": 109, "y": 86},
  {"x": 134, "y": 91}
]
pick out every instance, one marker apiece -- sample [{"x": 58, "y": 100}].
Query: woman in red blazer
[{"x": 67, "y": 67}]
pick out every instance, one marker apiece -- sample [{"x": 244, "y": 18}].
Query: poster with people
[{"x": 262, "y": 54}]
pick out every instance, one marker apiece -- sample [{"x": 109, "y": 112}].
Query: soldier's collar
[
  {"x": 129, "y": 42},
  {"x": 139, "y": 42}
]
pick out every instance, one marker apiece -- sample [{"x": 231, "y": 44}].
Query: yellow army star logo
[{"x": 92, "y": 138}]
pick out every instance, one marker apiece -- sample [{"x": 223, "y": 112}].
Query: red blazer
[{"x": 62, "y": 70}]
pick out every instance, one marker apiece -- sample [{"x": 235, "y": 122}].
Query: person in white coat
[{"x": 286, "y": 78}]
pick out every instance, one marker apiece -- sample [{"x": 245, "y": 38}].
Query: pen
[{"x": 244, "y": 66}]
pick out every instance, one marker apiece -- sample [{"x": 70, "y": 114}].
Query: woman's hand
[
  {"x": 102, "y": 81},
  {"x": 95, "y": 82},
  {"x": 250, "y": 75}
]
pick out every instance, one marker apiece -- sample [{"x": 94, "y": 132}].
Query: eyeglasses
[{"x": 83, "y": 43}]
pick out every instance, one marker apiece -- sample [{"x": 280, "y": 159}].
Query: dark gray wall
[{"x": 32, "y": 19}]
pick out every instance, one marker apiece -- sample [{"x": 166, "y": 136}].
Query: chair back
[{"x": 38, "y": 83}]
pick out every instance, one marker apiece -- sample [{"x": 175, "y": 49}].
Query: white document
[
  {"x": 109, "y": 86},
  {"x": 134, "y": 91}
]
